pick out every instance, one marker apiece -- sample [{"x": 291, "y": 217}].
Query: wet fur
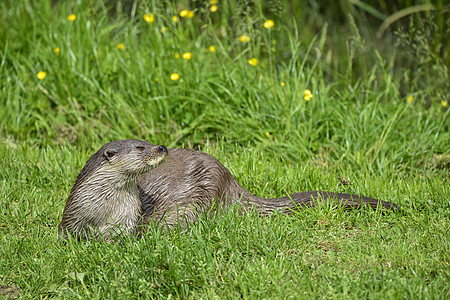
[
  {"x": 191, "y": 182},
  {"x": 175, "y": 192},
  {"x": 105, "y": 199}
]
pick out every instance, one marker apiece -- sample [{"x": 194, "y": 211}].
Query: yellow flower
[
  {"x": 212, "y": 48},
  {"x": 120, "y": 46},
  {"x": 212, "y": 2},
  {"x": 56, "y": 50},
  {"x": 443, "y": 103},
  {"x": 253, "y": 61},
  {"x": 307, "y": 95},
  {"x": 41, "y": 75},
  {"x": 184, "y": 13},
  {"x": 410, "y": 99},
  {"x": 72, "y": 17},
  {"x": 177, "y": 55},
  {"x": 213, "y": 8},
  {"x": 175, "y": 76},
  {"x": 149, "y": 18},
  {"x": 282, "y": 83},
  {"x": 164, "y": 29},
  {"x": 269, "y": 24},
  {"x": 244, "y": 38},
  {"x": 175, "y": 19},
  {"x": 267, "y": 134},
  {"x": 187, "y": 55}
]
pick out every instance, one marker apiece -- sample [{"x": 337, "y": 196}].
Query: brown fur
[
  {"x": 176, "y": 191},
  {"x": 191, "y": 182},
  {"x": 105, "y": 198}
]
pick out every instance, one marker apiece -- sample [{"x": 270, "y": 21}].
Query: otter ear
[{"x": 108, "y": 154}]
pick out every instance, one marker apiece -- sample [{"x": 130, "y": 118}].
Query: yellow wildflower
[
  {"x": 282, "y": 83},
  {"x": 244, "y": 38},
  {"x": 184, "y": 13},
  {"x": 443, "y": 103},
  {"x": 267, "y": 134},
  {"x": 213, "y": 8},
  {"x": 177, "y": 55},
  {"x": 253, "y": 61},
  {"x": 212, "y": 48},
  {"x": 269, "y": 24},
  {"x": 307, "y": 95},
  {"x": 175, "y": 76},
  {"x": 212, "y": 2},
  {"x": 149, "y": 18},
  {"x": 175, "y": 19},
  {"x": 72, "y": 17},
  {"x": 410, "y": 99},
  {"x": 57, "y": 50},
  {"x": 164, "y": 29},
  {"x": 41, "y": 75},
  {"x": 187, "y": 55},
  {"x": 190, "y": 14},
  {"x": 120, "y": 46}
]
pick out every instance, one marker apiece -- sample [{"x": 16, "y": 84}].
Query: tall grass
[
  {"x": 358, "y": 127},
  {"x": 218, "y": 94}
]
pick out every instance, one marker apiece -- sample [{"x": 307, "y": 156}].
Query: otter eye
[{"x": 140, "y": 148}]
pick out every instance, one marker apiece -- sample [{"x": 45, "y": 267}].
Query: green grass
[{"x": 357, "y": 126}]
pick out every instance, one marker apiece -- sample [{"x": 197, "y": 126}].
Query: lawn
[{"x": 285, "y": 97}]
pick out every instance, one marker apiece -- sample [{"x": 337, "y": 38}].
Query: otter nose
[{"x": 162, "y": 148}]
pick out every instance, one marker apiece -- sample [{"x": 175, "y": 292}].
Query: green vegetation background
[{"x": 378, "y": 119}]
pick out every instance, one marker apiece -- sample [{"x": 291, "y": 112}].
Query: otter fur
[
  {"x": 104, "y": 200},
  {"x": 172, "y": 190},
  {"x": 190, "y": 182}
]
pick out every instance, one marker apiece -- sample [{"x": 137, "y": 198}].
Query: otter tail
[{"x": 301, "y": 200}]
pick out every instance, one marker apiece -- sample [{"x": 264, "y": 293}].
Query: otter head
[
  {"x": 129, "y": 159},
  {"x": 122, "y": 161}
]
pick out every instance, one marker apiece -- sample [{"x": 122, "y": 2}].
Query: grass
[{"x": 357, "y": 126}]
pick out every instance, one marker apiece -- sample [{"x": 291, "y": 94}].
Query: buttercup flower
[
  {"x": 443, "y": 103},
  {"x": 56, "y": 50},
  {"x": 187, "y": 55},
  {"x": 212, "y": 48},
  {"x": 149, "y": 18},
  {"x": 72, "y": 17},
  {"x": 175, "y": 19},
  {"x": 175, "y": 76},
  {"x": 267, "y": 134},
  {"x": 164, "y": 29},
  {"x": 213, "y": 2},
  {"x": 190, "y": 14},
  {"x": 120, "y": 46},
  {"x": 307, "y": 95},
  {"x": 269, "y": 24},
  {"x": 282, "y": 83},
  {"x": 410, "y": 99},
  {"x": 41, "y": 75},
  {"x": 244, "y": 38},
  {"x": 177, "y": 55},
  {"x": 253, "y": 61},
  {"x": 213, "y": 8},
  {"x": 184, "y": 13}
]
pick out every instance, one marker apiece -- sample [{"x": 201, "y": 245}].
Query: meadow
[{"x": 289, "y": 97}]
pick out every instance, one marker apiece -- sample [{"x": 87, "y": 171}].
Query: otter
[
  {"x": 181, "y": 185},
  {"x": 104, "y": 201}
]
